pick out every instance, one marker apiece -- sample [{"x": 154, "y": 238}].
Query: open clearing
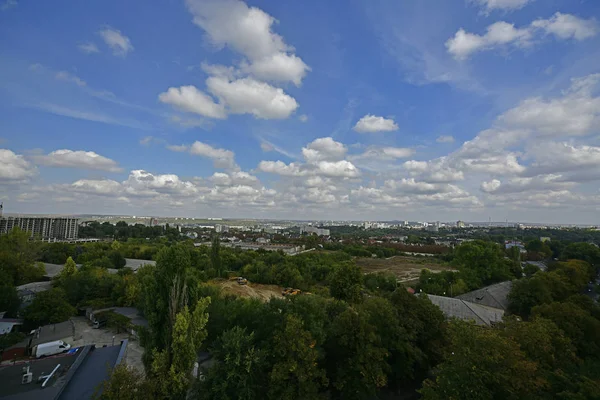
[
  {"x": 405, "y": 268},
  {"x": 255, "y": 290}
]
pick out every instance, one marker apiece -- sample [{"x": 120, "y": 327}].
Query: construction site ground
[
  {"x": 405, "y": 268},
  {"x": 254, "y": 290}
]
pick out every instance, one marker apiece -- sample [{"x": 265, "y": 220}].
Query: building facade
[{"x": 45, "y": 228}]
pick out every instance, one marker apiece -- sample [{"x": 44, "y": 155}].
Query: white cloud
[
  {"x": 567, "y": 26},
  {"x": 371, "y": 123},
  {"x": 445, "y": 139},
  {"x": 324, "y": 149},
  {"x": 499, "y": 34},
  {"x": 249, "y": 96},
  {"x": 222, "y": 158},
  {"x": 505, "y": 5},
  {"x": 190, "y": 99},
  {"x": 303, "y": 118},
  {"x": 577, "y": 113},
  {"x": 339, "y": 169},
  {"x": 463, "y": 44},
  {"x": 247, "y": 30},
  {"x": 491, "y": 186},
  {"x": 78, "y": 159},
  {"x": 102, "y": 187},
  {"x": 119, "y": 43},
  {"x": 88, "y": 48},
  {"x": 14, "y": 168},
  {"x": 281, "y": 168},
  {"x": 66, "y": 76}
]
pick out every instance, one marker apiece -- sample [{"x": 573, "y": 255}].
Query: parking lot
[{"x": 85, "y": 334}]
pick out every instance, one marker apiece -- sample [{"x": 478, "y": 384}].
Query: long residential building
[{"x": 45, "y": 228}]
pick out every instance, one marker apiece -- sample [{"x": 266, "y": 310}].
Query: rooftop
[
  {"x": 79, "y": 374},
  {"x": 467, "y": 311},
  {"x": 491, "y": 296},
  {"x": 48, "y": 333}
]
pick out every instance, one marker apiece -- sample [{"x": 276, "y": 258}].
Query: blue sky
[{"x": 382, "y": 109}]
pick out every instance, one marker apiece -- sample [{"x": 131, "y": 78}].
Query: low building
[
  {"x": 315, "y": 230},
  {"x": 495, "y": 296},
  {"x": 64, "y": 331},
  {"x": 77, "y": 374},
  {"x": 9, "y": 325},
  {"x": 467, "y": 311},
  {"x": 28, "y": 291}
]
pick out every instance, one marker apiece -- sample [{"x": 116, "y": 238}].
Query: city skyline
[{"x": 421, "y": 111}]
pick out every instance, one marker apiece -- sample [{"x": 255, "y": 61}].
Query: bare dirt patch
[
  {"x": 405, "y": 268},
  {"x": 254, "y": 290}
]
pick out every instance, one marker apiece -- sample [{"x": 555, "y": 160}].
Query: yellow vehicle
[
  {"x": 290, "y": 292},
  {"x": 242, "y": 281}
]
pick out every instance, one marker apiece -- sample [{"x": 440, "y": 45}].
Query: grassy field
[{"x": 405, "y": 268}]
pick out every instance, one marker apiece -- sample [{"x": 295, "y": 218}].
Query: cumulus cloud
[
  {"x": 249, "y": 96},
  {"x": 576, "y": 113},
  {"x": 190, "y": 99},
  {"x": 499, "y": 34},
  {"x": 78, "y": 159},
  {"x": 248, "y": 31},
  {"x": 119, "y": 43},
  {"x": 281, "y": 168},
  {"x": 324, "y": 149},
  {"x": 241, "y": 96},
  {"x": 371, "y": 124},
  {"x": 14, "y": 168},
  {"x": 222, "y": 158}
]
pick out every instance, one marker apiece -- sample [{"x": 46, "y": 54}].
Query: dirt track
[{"x": 254, "y": 290}]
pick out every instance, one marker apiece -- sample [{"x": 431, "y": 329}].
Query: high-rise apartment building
[{"x": 45, "y": 228}]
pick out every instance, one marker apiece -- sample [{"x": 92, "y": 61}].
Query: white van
[{"x": 50, "y": 348}]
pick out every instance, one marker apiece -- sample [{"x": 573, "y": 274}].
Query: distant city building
[
  {"x": 153, "y": 222},
  {"x": 221, "y": 228},
  {"x": 312, "y": 229},
  {"x": 460, "y": 224},
  {"x": 45, "y": 228}
]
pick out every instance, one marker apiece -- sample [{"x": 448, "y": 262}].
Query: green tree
[
  {"x": 17, "y": 257},
  {"x": 345, "y": 282},
  {"x": 295, "y": 374},
  {"x": 526, "y": 294},
  {"x": 124, "y": 383},
  {"x": 9, "y": 299},
  {"x": 49, "y": 307},
  {"x": 70, "y": 268},
  {"x": 482, "y": 364},
  {"x": 240, "y": 371},
  {"x": 215, "y": 255},
  {"x": 172, "y": 367},
  {"x": 356, "y": 358}
]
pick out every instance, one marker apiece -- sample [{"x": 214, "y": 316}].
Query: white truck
[{"x": 50, "y": 348}]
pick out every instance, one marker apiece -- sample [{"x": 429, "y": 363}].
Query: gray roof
[
  {"x": 35, "y": 287},
  {"x": 53, "y": 332},
  {"x": 135, "y": 263},
  {"x": 461, "y": 309},
  {"x": 491, "y": 296},
  {"x": 539, "y": 264},
  {"x": 81, "y": 372}
]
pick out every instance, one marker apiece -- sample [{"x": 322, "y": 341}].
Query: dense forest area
[{"x": 354, "y": 336}]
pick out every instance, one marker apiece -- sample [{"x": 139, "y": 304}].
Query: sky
[{"x": 330, "y": 110}]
